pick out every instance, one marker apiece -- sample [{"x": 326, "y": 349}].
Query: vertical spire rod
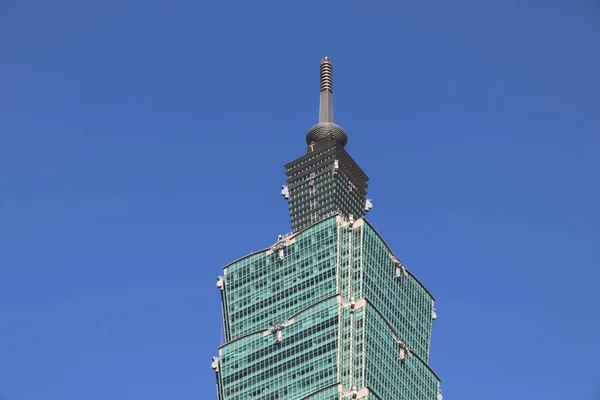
[{"x": 326, "y": 97}]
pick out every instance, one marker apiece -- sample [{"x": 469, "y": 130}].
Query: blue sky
[{"x": 141, "y": 149}]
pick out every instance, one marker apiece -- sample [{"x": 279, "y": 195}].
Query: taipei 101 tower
[{"x": 328, "y": 311}]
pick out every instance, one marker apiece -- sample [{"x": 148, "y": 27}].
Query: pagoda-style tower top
[
  {"x": 326, "y": 129},
  {"x": 326, "y": 180}
]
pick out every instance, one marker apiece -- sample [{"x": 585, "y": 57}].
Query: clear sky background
[{"x": 141, "y": 149}]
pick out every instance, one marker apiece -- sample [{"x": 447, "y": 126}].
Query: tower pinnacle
[
  {"x": 326, "y": 130},
  {"x": 326, "y": 100}
]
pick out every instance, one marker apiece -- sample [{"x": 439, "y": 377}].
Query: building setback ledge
[
  {"x": 338, "y": 295},
  {"x": 291, "y": 235}
]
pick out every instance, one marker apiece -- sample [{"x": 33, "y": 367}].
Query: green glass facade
[{"x": 327, "y": 311}]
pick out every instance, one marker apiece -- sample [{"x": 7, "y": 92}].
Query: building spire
[
  {"x": 326, "y": 101},
  {"x": 326, "y": 130}
]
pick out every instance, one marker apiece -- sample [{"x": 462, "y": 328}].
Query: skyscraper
[{"x": 328, "y": 311}]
